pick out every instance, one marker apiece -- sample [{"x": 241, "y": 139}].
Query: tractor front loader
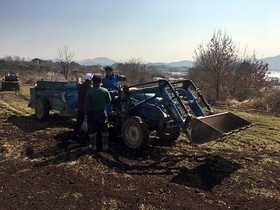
[{"x": 168, "y": 108}]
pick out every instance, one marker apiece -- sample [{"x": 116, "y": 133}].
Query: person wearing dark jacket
[
  {"x": 82, "y": 88},
  {"x": 94, "y": 111}
]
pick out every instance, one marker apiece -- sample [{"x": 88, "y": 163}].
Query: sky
[{"x": 148, "y": 30}]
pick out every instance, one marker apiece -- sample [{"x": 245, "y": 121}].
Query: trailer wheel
[
  {"x": 42, "y": 108},
  {"x": 135, "y": 132},
  {"x": 169, "y": 134}
]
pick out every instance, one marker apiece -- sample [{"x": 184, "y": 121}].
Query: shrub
[{"x": 272, "y": 101}]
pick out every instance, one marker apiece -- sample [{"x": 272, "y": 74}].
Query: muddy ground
[{"x": 39, "y": 170}]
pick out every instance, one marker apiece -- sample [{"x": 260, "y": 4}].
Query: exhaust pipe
[{"x": 205, "y": 129}]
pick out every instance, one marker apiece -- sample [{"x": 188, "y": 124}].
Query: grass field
[{"x": 39, "y": 170}]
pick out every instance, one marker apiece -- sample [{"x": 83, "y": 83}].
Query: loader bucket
[{"x": 212, "y": 127}]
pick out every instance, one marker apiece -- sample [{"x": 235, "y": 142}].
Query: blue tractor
[
  {"x": 164, "y": 108},
  {"x": 168, "y": 109}
]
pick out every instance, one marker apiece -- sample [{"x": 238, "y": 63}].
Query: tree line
[
  {"x": 218, "y": 70},
  {"x": 136, "y": 70}
]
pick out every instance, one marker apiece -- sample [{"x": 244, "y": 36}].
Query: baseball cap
[{"x": 88, "y": 76}]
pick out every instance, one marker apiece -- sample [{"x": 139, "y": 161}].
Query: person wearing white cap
[{"x": 82, "y": 88}]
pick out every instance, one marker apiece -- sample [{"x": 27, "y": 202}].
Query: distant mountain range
[
  {"x": 273, "y": 62},
  {"x": 103, "y": 61},
  {"x": 184, "y": 63}
]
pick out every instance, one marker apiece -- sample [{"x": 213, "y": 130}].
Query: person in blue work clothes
[
  {"x": 82, "y": 88},
  {"x": 94, "y": 111},
  {"x": 109, "y": 81}
]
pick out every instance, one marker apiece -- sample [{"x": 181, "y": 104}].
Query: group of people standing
[{"x": 93, "y": 95}]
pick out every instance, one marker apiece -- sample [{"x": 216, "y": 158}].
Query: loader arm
[{"x": 200, "y": 128}]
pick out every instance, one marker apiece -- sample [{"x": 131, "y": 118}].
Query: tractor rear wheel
[
  {"x": 42, "y": 108},
  {"x": 169, "y": 134},
  {"x": 135, "y": 132}
]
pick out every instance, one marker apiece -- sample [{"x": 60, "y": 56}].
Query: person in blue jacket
[{"x": 109, "y": 81}]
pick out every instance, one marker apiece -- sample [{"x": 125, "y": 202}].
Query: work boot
[
  {"x": 105, "y": 142},
  {"x": 92, "y": 148},
  {"x": 92, "y": 145}
]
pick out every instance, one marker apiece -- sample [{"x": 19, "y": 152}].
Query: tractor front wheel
[
  {"x": 42, "y": 108},
  {"x": 169, "y": 134},
  {"x": 135, "y": 132}
]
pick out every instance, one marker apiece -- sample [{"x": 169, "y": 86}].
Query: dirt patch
[{"x": 39, "y": 170}]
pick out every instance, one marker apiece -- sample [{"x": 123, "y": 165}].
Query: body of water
[{"x": 273, "y": 74}]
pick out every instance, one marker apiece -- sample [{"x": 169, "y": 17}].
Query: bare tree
[
  {"x": 64, "y": 58},
  {"x": 214, "y": 65},
  {"x": 221, "y": 74},
  {"x": 135, "y": 70},
  {"x": 249, "y": 78}
]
